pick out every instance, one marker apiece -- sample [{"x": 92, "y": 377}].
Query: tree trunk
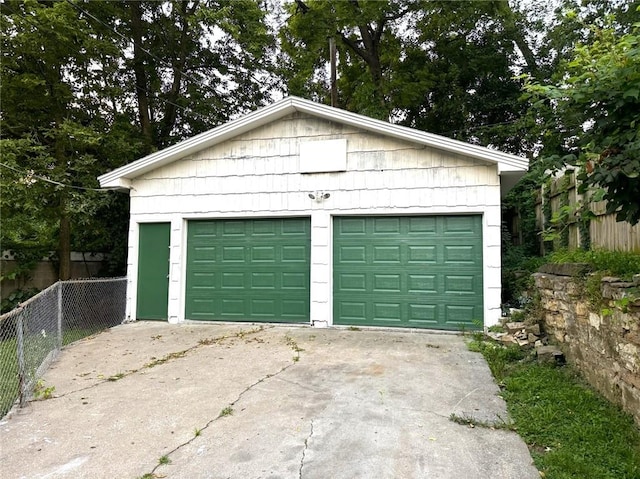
[
  {"x": 64, "y": 245},
  {"x": 517, "y": 32},
  {"x": 169, "y": 120},
  {"x": 140, "y": 73}
]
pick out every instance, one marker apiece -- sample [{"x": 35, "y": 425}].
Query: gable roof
[{"x": 120, "y": 177}]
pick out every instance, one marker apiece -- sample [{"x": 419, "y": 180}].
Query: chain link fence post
[
  {"x": 22, "y": 370},
  {"x": 60, "y": 314}
]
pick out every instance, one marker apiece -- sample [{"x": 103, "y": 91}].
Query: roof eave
[{"x": 262, "y": 116}]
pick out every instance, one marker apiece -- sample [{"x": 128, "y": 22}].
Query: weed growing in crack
[
  {"x": 115, "y": 377},
  {"x": 228, "y": 411},
  {"x": 157, "y": 361},
  {"x": 210, "y": 341},
  {"x": 242, "y": 334},
  {"x": 354, "y": 328},
  {"x": 473, "y": 422},
  {"x": 148, "y": 475},
  {"x": 292, "y": 344},
  {"x": 197, "y": 432},
  {"x": 40, "y": 392},
  {"x": 164, "y": 460}
]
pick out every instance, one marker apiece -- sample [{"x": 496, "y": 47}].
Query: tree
[
  {"x": 445, "y": 67},
  {"x": 595, "y": 106},
  {"x": 90, "y": 86},
  {"x": 46, "y": 56},
  {"x": 368, "y": 45},
  {"x": 468, "y": 50},
  {"x": 194, "y": 64}
]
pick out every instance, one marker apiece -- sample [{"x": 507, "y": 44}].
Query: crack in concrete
[
  {"x": 166, "y": 358},
  {"x": 303, "y": 386},
  {"x": 304, "y": 451},
  {"x": 465, "y": 397},
  {"x": 233, "y": 403}
]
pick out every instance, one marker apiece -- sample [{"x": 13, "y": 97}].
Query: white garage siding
[{"x": 256, "y": 174}]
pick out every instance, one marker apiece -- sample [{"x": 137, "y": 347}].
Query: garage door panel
[
  {"x": 205, "y": 232},
  {"x": 422, "y": 226},
  {"x": 387, "y": 283},
  {"x": 205, "y": 253},
  {"x": 232, "y": 307},
  {"x": 232, "y": 280},
  {"x": 460, "y": 284},
  {"x": 422, "y": 283},
  {"x": 352, "y": 282},
  {"x": 460, "y": 254},
  {"x": 422, "y": 254},
  {"x": 263, "y": 307},
  {"x": 264, "y": 228},
  {"x": 352, "y": 227},
  {"x": 383, "y": 311},
  {"x": 423, "y": 313},
  {"x": 387, "y": 254},
  {"x": 202, "y": 306},
  {"x": 294, "y": 254},
  {"x": 259, "y": 271},
  {"x": 458, "y": 314},
  {"x": 231, "y": 228},
  {"x": 294, "y": 309},
  {"x": 352, "y": 311},
  {"x": 457, "y": 225},
  {"x": 386, "y": 225},
  {"x": 294, "y": 281},
  {"x": 233, "y": 254},
  {"x": 408, "y": 271},
  {"x": 352, "y": 254},
  {"x": 204, "y": 280},
  {"x": 263, "y": 281},
  {"x": 295, "y": 228},
  {"x": 261, "y": 254}
]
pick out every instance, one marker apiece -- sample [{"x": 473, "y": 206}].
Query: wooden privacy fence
[{"x": 559, "y": 200}]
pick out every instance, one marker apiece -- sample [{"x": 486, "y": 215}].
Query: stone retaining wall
[{"x": 605, "y": 348}]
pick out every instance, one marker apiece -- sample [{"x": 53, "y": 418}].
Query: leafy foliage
[
  {"x": 16, "y": 297},
  {"x": 89, "y": 86},
  {"x": 444, "y": 67},
  {"x": 595, "y": 106}
]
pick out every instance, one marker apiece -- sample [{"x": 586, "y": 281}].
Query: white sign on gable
[{"x": 323, "y": 156}]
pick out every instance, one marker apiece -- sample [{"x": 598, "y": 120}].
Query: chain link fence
[{"x": 32, "y": 335}]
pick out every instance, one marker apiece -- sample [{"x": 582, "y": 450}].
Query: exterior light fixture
[{"x": 319, "y": 196}]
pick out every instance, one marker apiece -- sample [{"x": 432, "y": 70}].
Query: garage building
[{"x": 304, "y": 213}]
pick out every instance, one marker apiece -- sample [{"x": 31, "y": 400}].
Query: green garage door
[
  {"x": 248, "y": 270},
  {"x": 410, "y": 271}
]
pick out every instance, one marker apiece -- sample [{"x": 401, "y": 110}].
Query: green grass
[
  {"x": 571, "y": 431},
  {"x": 72, "y": 335},
  {"x": 36, "y": 348},
  {"x": 616, "y": 263},
  {"x": 8, "y": 375}
]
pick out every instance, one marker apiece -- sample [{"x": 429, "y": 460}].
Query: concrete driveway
[{"x": 244, "y": 401}]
